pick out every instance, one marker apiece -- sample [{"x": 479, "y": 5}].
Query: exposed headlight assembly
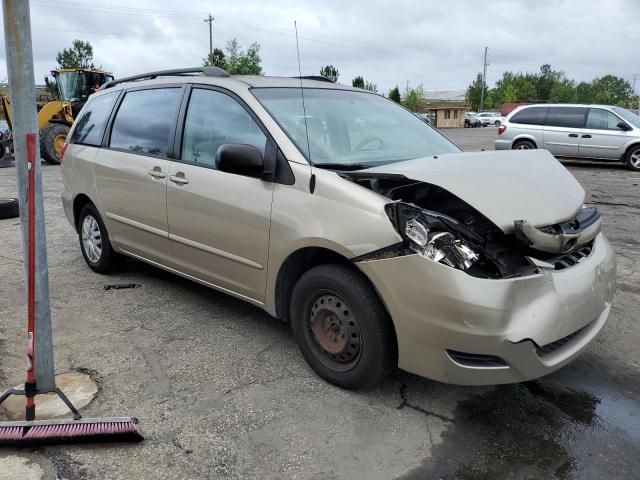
[{"x": 435, "y": 236}]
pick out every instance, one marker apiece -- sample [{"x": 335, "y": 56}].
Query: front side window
[
  {"x": 144, "y": 121},
  {"x": 599, "y": 119},
  {"x": 628, "y": 115},
  {"x": 350, "y": 128},
  {"x": 569, "y": 117},
  {"x": 214, "y": 119},
  {"x": 91, "y": 124}
]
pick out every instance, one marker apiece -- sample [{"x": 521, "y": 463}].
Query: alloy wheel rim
[
  {"x": 91, "y": 239},
  {"x": 635, "y": 159},
  {"x": 522, "y": 146},
  {"x": 333, "y": 332}
]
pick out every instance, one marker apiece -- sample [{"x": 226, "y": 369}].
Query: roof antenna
[{"x": 312, "y": 180}]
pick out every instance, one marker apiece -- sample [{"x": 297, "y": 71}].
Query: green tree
[
  {"x": 330, "y": 72},
  {"x": 80, "y": 55},
  {"x": 372, "y": 87},
  {"x": 611, "y": 90},
  {"x": 412, "y": 97},
  {"x": 563, "y": 91},
  {"x": 216, "y": 59},
  {"x": 394, "y": 94},
  {"x": 546, "y": 79},
  {"x": 239, "y": 62},
  {"x": 474, "y": 92},
  {"x": 584, "y": 92},
  {"x": 358, "y": 82}
]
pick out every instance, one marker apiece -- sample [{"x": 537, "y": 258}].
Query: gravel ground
[{"x": 222, "y": 392}]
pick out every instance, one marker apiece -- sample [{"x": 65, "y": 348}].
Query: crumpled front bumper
[{"x": 436, "y": 309}]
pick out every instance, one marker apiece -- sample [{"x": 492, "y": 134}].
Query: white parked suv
[
  {"x": 599, "y": 132},
  {"x": 489, "y": 118}
]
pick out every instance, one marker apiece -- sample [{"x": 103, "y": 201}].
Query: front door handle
[
  {"x": 156, "y": 173},
  {"x": 179, "y": 179},
  {"x": 573, "y": 135},
  {"x": 586, "y": 136}
]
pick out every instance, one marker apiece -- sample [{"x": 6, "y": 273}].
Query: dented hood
[{"x": 504, "y": 186}]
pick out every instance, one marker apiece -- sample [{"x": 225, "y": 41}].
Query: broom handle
[{"x": 30, "y": 386}]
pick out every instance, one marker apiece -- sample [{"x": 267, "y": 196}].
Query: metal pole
[
  {"x": 210, "y": 22},
  {"x": 484, "y": 79},
  {"x": 17, "y": 40}
]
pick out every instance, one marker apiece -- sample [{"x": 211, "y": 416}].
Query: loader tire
[
  {"x": 52, "y": 138},
  {"x": 9, "y": 208}
]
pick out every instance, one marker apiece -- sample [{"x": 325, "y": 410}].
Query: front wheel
[
  {"x": 94, "y": 242},
  {"x": 342, "y": 328},
  {"x": 633, "y": 158},
  {"x": 52, "y": 138}
]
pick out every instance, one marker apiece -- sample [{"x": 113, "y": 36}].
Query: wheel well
[
  {"x": 626, "y": 152},
  {"x": 296, "y": 265},
  {"x": 78, "y": 204},
  {"x": 520, "y": 140}
]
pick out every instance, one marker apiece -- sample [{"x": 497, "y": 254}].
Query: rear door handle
[
  {"x": 179, "y": 180},
  {"x": 156, "y": 174},
  {"x": 586, "y": 136},
  {"x": 573, "y": 135}
]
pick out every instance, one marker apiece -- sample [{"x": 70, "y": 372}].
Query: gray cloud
[{"x": 438, "y": 44}]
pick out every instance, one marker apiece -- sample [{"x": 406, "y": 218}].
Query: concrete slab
[
  {"x": 14, "y": 467},
  {"x": 79, "y": 387}
]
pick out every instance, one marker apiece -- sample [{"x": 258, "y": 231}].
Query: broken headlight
[{"x": 434, "y": 236}]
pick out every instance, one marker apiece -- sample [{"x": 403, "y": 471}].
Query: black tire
[
  {"x": 49, "y": 137},
  {"x": 467, "y": 124},
  {"x": 370, "y": 352},
  {"x": 108, "y": 259},
  {"x": 632, "y": 158},
  {"x": 524, "y": 145},
  {"x": 497, "y": 123},
  {"x": 9, "y": 208}
]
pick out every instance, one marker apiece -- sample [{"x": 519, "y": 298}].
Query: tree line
[{"x": 549, "y": 85}]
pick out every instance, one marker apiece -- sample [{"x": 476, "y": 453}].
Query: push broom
[{"x": 39, "y": 432}]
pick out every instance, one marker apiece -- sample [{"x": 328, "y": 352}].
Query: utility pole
[
  {"x": 484, "y": 78},
  {"x": 633, "y": 89},
  {"x": 17, "y": 39},
  {"x": 210, "y": 22}
]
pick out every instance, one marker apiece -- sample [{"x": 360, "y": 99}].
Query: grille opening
[
  {"x": 572, "y": 258},
  {"x": 550, "y": 348},
  {"x": 476, "y": 360}
]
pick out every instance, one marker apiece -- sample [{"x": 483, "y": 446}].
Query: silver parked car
[
  {"x": 599, "y": 132},
  {"x": 489, "y": 118},
  {"x": 340, "y": 212}
]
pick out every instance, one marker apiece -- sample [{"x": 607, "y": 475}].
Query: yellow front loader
[{"x": 73, "y": 87}]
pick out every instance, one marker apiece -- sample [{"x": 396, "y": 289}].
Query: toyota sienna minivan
[
  {"x": 595, "y": 132},
  {"x": 337, "y": 210}
]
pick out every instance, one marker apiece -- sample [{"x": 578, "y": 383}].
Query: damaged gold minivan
[{"x": 339, "y": 211}]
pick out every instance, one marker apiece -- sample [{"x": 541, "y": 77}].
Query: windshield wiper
[{"x": 343, "y": 166}]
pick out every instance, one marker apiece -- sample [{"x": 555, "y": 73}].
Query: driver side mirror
[
  {"x": 623, "y": 126},
  {"x": 240, "y": 159}
]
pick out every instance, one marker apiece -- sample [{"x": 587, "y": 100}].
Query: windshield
[
  {"x": 67, "y": 85},
  {"x": 630, "y": 117},
  {"x": 351, "y": 128}
]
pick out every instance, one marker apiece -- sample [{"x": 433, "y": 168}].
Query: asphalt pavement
[{"x": 221, "y": 390}]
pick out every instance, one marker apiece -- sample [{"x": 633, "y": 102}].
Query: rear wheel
[
  {"x": 497, "y": 123},
  {"x": 94, "y": 242},
  {"x": 524, "y": 145},
  {"x": 342, "y": 328},
  {"x": 52, "y": 138},
  {"x": 633, "y": 158}
]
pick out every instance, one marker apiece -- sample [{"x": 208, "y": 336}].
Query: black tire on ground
[
  {"x": 632, "y": 158},
  {"x": 467, "y": 124},
  {"x": 524, "y": 145},
  {"x": 497, "y": 123},
  {"x": 337, "y": 300},
  {"x": 108, "y": 260},
  {"x": 51, "y": 135},
  {"x": 9, "y": 208}
]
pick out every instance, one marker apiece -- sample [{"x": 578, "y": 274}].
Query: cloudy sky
[{"x": 439, "y": 44}]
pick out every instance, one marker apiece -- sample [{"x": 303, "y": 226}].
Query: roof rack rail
[
  {"x": 316, "y": 77},
  {"x": 206, "y": 71}
]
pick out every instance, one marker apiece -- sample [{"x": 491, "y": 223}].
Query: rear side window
[
  {"x": 570, "y": 117},
  {"x": 530, "y": 116},
  {"x": 145, "y": 120},
  {"x": 91, "y": 124}
]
